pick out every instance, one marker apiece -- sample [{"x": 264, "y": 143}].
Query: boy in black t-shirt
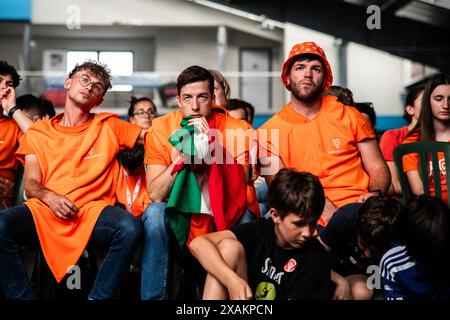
[
  {"x": 356, "y": 238},
  {"x": 275, "y": 258}
]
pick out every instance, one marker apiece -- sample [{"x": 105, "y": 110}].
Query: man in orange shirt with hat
[
  {"x": 71, "y": 175},
  {"x": 320, "y": 135}
]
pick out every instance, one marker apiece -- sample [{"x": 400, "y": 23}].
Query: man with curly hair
[{"x": 71, "y": 175}]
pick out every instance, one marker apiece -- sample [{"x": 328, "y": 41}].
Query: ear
[
  {"x": 288, "y": 80},
  {"x": 274, "y": 215},
  {"x": 410, "y": 110},
  {"x": 67, "y": 83},
  {"x": 36, "y": 118},
  {"x": 179, "y": 101}
]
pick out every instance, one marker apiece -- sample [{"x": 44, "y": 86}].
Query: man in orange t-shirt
[
  {"x": 195, "y": 99},
  {"x": 320, "y": 135},
  {"x": 71, "y": 175},
  {"x": 10, "y": 136}
]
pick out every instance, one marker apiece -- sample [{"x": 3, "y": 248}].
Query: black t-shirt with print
[{"x": 275, "y": 273}]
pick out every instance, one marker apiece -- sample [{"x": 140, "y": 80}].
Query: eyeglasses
[
  {"x": 149, "y": 112},
  {"x": 86, "y": 81}
]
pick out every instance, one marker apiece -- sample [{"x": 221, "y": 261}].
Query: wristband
[{"x": 12, "y": 110}]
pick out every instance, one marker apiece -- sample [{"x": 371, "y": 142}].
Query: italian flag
[{"x": 204, "y": 197}]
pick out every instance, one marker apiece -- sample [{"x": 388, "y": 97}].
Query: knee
[
  {"x": 231, "y": 250},
  {"x": 154, "y": 216},
  {"x": 131, "y": 228},
  {"x": 360, "y": 291},
  {"x": 4, "y": 227}
]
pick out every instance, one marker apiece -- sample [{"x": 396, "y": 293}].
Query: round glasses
[
  {"x": 86, "y": 81},
  {"x": 149, "y": 112}
]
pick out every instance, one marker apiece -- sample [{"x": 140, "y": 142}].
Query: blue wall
[{"x": 15, "y": 10}]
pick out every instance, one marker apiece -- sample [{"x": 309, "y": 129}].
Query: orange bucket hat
[{"x": 307, "y": 48}]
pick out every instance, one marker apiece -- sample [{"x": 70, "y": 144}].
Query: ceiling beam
[
  {"x": 392, "y": 6},
  {"x": 399, "y": 36}
]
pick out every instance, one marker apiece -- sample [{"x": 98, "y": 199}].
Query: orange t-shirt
[
  {"x": 10, "y": 135},
  {"x": 411, "y": 163},
  {"x": 234, "y": 134},
  {"x": 132, "y": 188},
  {"x": 325, "y": 146},
  {"x": 80, "y": 163}
]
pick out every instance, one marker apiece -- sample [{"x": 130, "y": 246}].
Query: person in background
[
  {"x": 433, "y": 125},
  {"x": 368, "y": 111},
  {"x": 392, "y": 138},
  {"x": 344, "y": 95},
  {"x": 257, "y": 189},
  {"x": 222, "y": 89},
  {"x": 417, "y": 266},
  {"x": 357, "y": 238},
  {"x": 132, "y": 184},
  {"x": 237, "y": 108},
  {"x": 10, "y": 133}
]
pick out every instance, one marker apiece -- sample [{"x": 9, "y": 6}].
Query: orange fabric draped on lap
[{"x": 80, "y": 163}]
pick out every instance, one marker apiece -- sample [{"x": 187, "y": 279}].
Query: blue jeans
[
  {"x": 155, "y": 251},
  {"x": 115, "y": 228},
  {"x": 261, "y": 194}
]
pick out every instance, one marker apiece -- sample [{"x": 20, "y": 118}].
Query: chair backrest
[
  {"x": 426, "y": 150},
  {"x": 19, "y": 196}
]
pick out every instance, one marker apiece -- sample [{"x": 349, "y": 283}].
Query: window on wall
[{"x": 119, "y": 62}]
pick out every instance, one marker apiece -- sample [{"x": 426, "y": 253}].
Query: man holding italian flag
[{"x": 197, "y": 167}]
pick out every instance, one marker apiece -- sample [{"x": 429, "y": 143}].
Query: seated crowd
[{"x": 301, "y": 208}]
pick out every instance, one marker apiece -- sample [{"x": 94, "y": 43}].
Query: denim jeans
[
  {"x": 115, "y": 228},
  {"x": 155, "y": 251}
]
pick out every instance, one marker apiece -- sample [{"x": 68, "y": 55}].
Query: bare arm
[
  {"x": 61, "y": 206},
  {"x": 343, "y": 290},
  {"x": 205, "y": 250},
  {"x": 8, "y": 100},
  {"x": 395, "y": 187},
  {"x": 270, "y": 166},
  {"x": 375, "y": 166},
  {"x": 415, "y": 182},
  {"x": 160, "y": 180}
]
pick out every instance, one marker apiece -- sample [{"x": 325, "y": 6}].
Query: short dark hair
[
  {"x": 375, "y": 224},
  {"x": 409, "y": 101},
  {"x": 306, "y": 56},
  {"x": 131, "y": 159},
  {"x": 344, "y": 95},
  {"x": 367, "y": 108},
  {"x": 100, "y": 70},
  {"x": 47, "y": 108},
  {"x": 135, "y": 101},
  {"x": 295, "y": 192},
  {"x": 195, "y": 74},
  {"x": 6, "y": 68},
  {"x": 236, "y": 104},
  {"x": 43, "y": 107},
  {"x": 423, "y": 226}
]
